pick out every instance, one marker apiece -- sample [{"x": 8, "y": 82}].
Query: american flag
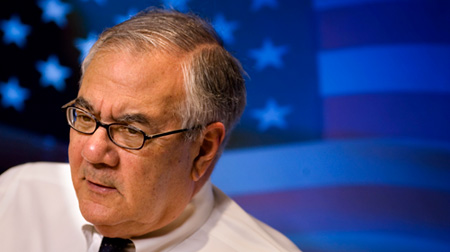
[{"x": 344, "y": 144}]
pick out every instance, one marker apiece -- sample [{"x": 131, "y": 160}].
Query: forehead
[{"x": 124, "y": 79}]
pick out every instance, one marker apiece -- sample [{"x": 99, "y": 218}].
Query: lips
[
  {"x": 97, "y": 184},
  {"x": 100, "y": 188}
]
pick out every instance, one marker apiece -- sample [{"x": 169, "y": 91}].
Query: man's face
[{"x": 124, "y": 192}]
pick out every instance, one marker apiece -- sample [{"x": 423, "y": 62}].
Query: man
[{"x": 158, "y": 98}]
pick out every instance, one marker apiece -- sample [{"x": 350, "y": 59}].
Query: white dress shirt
[{"x": 39, "y": 212}]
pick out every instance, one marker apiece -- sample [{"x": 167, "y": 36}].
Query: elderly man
[{"x": 158, "y": 98}]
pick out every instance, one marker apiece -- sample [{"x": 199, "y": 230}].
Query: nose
[{"x": 98, "y": 149}]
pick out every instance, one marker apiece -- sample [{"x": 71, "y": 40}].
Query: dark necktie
[{"x": 114, "y": 244}]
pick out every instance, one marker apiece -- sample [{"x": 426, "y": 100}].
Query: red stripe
[
  {"x": 385, "y": 23},
  {"x": 352, "y": 208},
  {"x": 385, "y": 115}
]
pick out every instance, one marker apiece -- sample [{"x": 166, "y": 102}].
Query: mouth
[{"x": 100, "y": 188}]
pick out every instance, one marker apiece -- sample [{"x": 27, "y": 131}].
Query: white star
[
  {"x": 180, "y": 5},
  {"x": 52, "y": 73},
  {"x": 13, "y": 95},
  {"x": 84, "y": 45},
  {"x": 54, "y": 10},
  {"x": 122, "y": 18},
  {"x": 225, "y": 28},
  {"x": 258, "y": 4},
  {"x": 271, "y": 115},
  {"x": 48, "y": 143},
  {"x": 14, "y": 31},
  {"x": 268, "y": 55}
]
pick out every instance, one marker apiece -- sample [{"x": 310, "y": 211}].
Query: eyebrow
[
  {"x": 133, "y": 118},
  {"x": 125, "y": 118},
  {"x": 83, "y": 103}
]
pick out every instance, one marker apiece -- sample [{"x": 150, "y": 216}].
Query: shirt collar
[{"x": 191, "y": 219}]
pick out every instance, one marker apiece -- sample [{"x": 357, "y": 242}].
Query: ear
[{"x": 212, "y": 138}]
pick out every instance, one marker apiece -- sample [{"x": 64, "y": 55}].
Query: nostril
[{"x": 98, "y": 149}]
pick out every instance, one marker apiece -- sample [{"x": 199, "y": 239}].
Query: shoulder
[
  {"x": 33, "y": 176},
  {"x": 230, "y": 228},
  {"x": 37, "y": 200},
  {"x": 36, "y": 171},
  {"x": 35, "y": 181},
  {"x": 42, "y": 166}
]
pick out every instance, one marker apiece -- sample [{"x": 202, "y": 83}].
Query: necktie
[{"x": 114, "y": 244}]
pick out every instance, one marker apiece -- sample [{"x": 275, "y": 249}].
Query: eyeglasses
[{"x": 125, "y": 136}]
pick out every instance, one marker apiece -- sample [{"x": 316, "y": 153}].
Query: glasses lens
[
  {"x": 126, "y": 136},
  {"x": 81, "y": 120}
]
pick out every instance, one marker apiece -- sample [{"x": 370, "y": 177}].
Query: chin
[
  {"x": 106, "y": 221},
  {"x": 125, "y": 230},
  {"x": 98, "y": 214},
  {"x": 112, "y": 232}
]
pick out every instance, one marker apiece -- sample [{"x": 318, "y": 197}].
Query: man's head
[
  {"x": 158, "y": 72},
  {"x": 213, "y": 82}
]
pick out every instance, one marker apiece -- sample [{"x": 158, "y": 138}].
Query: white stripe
[{"x": 383, "y": 69}]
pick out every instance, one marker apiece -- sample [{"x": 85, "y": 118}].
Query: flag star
[
  {"x": 49, "y": 143},
  {"x": 180, "y": 5},
  {"x": 13, "y": 95},
  {"x": 121, "y": 18},
  {"x": 258, "y": 4},
  {"x": 84, "y": 45},
  {"x": 54, "y": 10},
  {"x": 272, "y": 115},
  {"x": 14, "y": 31},
  {"x": 225, "y": 28},
  {"x": 52, "y": 73},
  {"x": 268, "y": 55}
]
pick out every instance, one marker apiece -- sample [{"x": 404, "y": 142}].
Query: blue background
[{"x": 345, "y": 142}]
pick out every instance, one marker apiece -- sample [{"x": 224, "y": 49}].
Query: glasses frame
[{"x": 107, "y": 127}]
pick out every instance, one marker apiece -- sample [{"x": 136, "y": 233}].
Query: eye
[
  {"x": 127, "y": 131},
  {"x": 131, "y": 131},
  {"x": 82, "y": 121},
  {"x": 84, "y": 118}
]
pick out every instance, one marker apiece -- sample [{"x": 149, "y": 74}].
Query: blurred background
[{"x": 345, "y": 142}]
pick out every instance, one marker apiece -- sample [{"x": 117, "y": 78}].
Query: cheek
[
  {"x": 74, "y": 151},
  {"x": 161, "y": 170},
  {"x": 163, "y": 187},
  {"x": 74, "y": 145}
]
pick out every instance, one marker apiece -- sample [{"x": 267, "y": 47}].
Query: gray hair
[{"x": 213, "y": 78}]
